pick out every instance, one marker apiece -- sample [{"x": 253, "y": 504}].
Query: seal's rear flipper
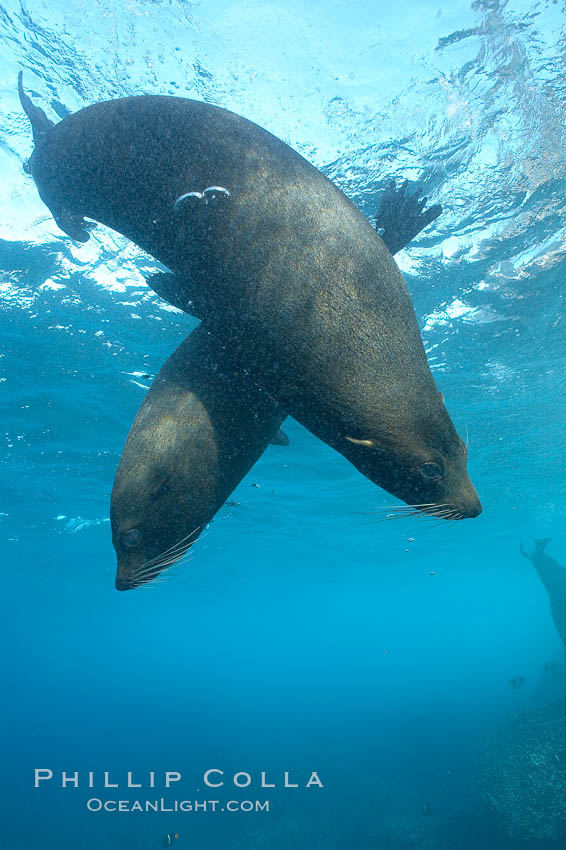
[
  {"x": 400, "y": 216},
  {"x": 540, "y": 545},
  {"x": 70, "y": 223},
  {"x": 40, "y": 123}
]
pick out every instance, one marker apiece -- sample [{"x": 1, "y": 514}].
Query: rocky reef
[{"x": 524, "y": 777}]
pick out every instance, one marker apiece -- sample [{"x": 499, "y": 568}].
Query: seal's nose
[
  {"x": 474, "y": 510},
  {"x": 471, "y": 505},
  {"x": 122, "y": 584},
  {"x": 123, "y": 577}
]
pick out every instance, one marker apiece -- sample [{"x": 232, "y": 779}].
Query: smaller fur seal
[
  {"x": 201, "y": 427},
  {"x": 553, "y": 576}
]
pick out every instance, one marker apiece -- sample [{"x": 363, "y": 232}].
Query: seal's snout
[
  {"x": 470, "y": 505},
  {"x": 125, "y": 573},
  {"x": 122, "y": 583},
  {"x": 476, "y": 509},
  {"x": 473, "y": 510}
]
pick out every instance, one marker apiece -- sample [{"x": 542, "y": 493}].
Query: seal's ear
[
  {"x": 370, "y": 444},
  {"x": 160, "y": 484}
]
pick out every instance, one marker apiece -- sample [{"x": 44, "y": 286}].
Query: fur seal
[
  {"x": 323, "y": 307},
  {"x": 201, "y": 427},
  {"x": 553, "y": 576},
  {"x": 199, "y": 430}
]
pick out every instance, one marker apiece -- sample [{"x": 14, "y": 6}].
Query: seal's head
[
  {"x": 149, "y": 526},
  {"x": 423, "y": 463},
  {"x": 160, "y": 500}
]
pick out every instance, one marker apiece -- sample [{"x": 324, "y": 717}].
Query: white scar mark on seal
[
  {"x": 368, "y": 443},
  {"x": 210, "y": 193}
]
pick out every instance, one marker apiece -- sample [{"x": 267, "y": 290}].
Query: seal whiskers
[
  {"x": 172, "y": 549},
  {"x": 444, "y": 511},
  {"x": 150, "y": 570},
  {"x": 153, "y": 572},
  {"x": 156, "y": 568}
]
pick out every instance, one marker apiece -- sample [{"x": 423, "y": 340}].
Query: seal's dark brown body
[
  {"x": 293, "y": 263},
  {"x": 282, "y": 267}
]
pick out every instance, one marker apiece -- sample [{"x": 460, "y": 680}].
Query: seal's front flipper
[
  {"x": 400, "y": 216},
  {"x": 40, "y": 123},
  {"x": 168, "y": 287},
  {"x": 280, "y": 439}
]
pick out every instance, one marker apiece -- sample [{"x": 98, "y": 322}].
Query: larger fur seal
[
  {"x": 201, "y": 427},
  {"x": 295, "y": 264}
]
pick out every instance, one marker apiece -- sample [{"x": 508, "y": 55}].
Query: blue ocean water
[{"x": 305, "y": 634}]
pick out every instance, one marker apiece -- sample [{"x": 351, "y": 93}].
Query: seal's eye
[
  {"x": 132, "y": 538},
  {"x": 431, "y": 471}
]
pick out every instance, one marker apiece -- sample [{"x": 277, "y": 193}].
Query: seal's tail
[
  {"x": 540, "y": 545},
  {"x": 40, "y": 123}
]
